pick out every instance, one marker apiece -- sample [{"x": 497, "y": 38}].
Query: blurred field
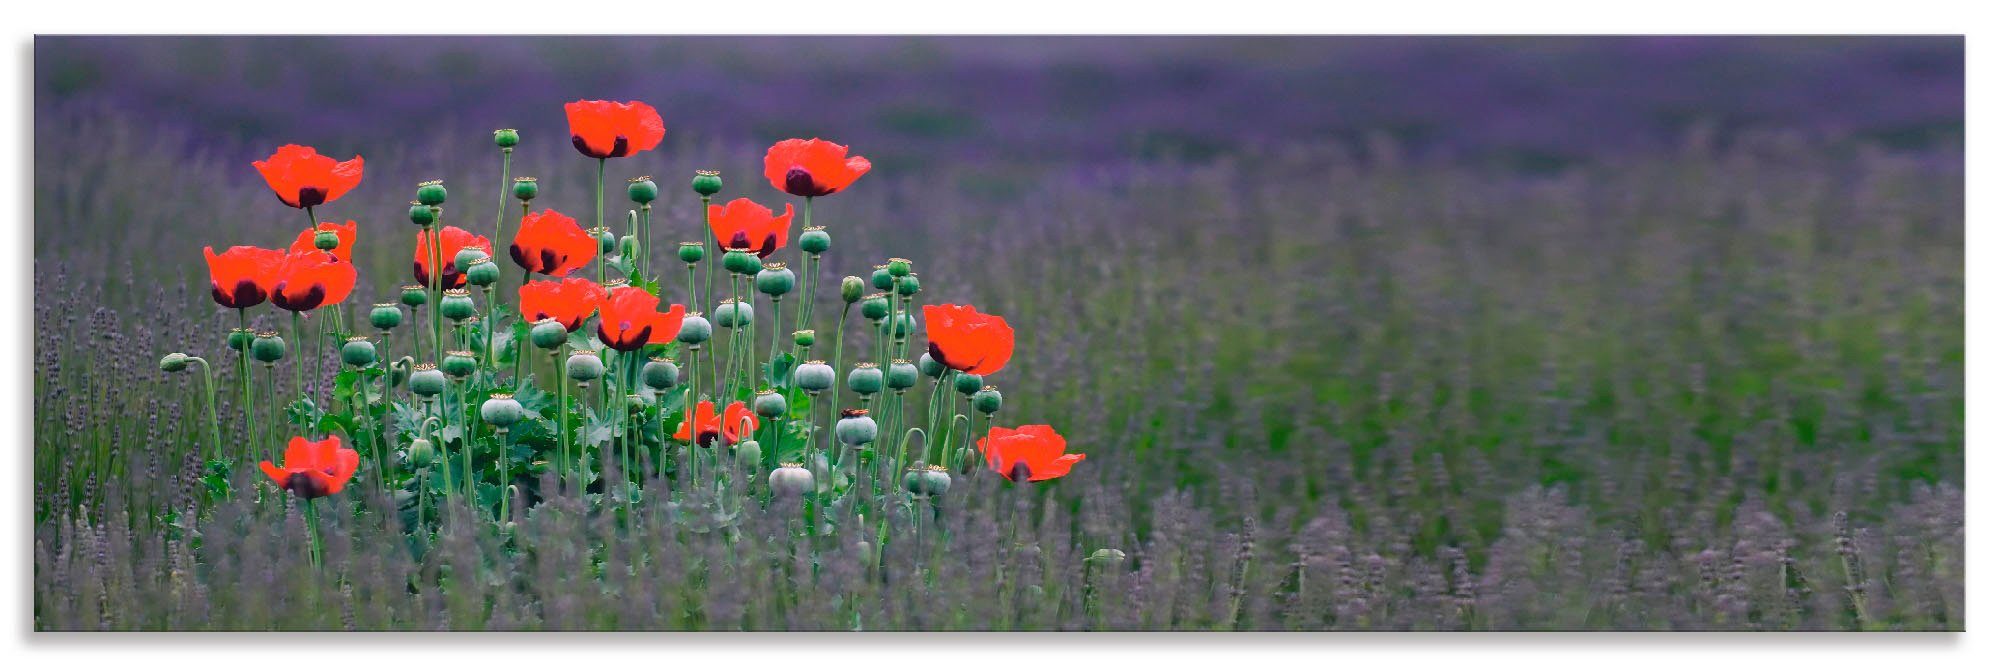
[{"x": 1665, "y": 375}]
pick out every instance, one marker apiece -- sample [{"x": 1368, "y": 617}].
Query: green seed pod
[
  {"x": 741, "y": 262},
  {"x": 660, "y": 374},
  {"x": 460, "y": 363},
  {"x": 606, "y": 242},
  {"x": 501, "y": 410},
  {"x": 875, "y": 307},
  {"x": 525, "y": 188},
  {"x": 357, "y": 351},
  {"x": 899, "y": 267},
  {"x": 881, "y": 279},
  {"x": 174, "y": 362},
  {"x": 749, "y": 454},
  {"x": 901, "y": 375},
  {"x": 427, "y": 380},
  {"x": 804, "y": 338},
  {"x": 415, "y": 295},
  {"x": 908, "y": 285},
  {"x": 422, "y": 215},
  {"x": 326, "y": 239},
  {"x": 463, "y": 260},
  {"x": 268, "y": 347},
  {"x": 775, "y": 280},
  {"x": 385, "y": 316},
  {"x": 695, "y": 330},
  {"x": 769, "y": 404},
  {"x": 814, "y": 376},
  {"x": 733, "y": 313},
  {"x": 584, "y": 366},
  {"x": 855, "y": 427},
  {"x": 968, "y": 383},
  {"x": 987, "y": 400},
  {"x": 431, "y": 193},
  {"x": 851, "y": 288},
  {"x": 642, "y": 190},
  {"x": 814, "y": 240},
  {"x": 693, "y": 251},
  {"x": 865, "y": 379},
  {"x": 482, "y": 272},
  {"x": 937, "y": 481},
  {"x": 457, "y": 305},
  {"x": 239, "y": 339},
  {"x": 904, "y": 325},
  {"x": 548, "y": 334},
  {"x": 913, "y": 480},
  {"x": 707, "y": 183},
  {"x": 506, "y": 138},
  {"x": 929, "y": 366},
  {"x": 422, "y": 452},
  {"x": 791, "y": 479}
]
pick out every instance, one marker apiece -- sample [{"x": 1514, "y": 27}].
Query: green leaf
[{"x": 778, "y": 373}]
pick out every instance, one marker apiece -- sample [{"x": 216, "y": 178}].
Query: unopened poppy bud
[
  {"x": 707, "y": 183},
  {"x": 851, "y": 288},
  {"x": 815, "y": 240},
  {"x": 637, "y": 403},
  {"x": 855, "y": 427},
  {"x": 415, "y": 296},
  {"x": 239, "y": 339},
  {"x": 482, "y": 272},
  {"x": 460, "y": 363},
  {"x": 427, "y": 380},
  {"x": 431, "y": 193},
  {"x": 422, "y": 452},
  {"x": 695, "y": 329},
  {"x": 326, "y": 239},
  {"x": 174, "y": 362},
  {"x": 525, "y": 188},
  {"x": 937, "y": 481},
  {"x": 908, "y": 285},
  {"x": 399, "y": 370},
  {"x": 584, "y": 366},
  {"x": 987, "y": 400},
  {"x": 875, "y": 307},
  {"x": 1106, "y": 556},
  {"x": 865, "y": 379},
  {"x": 548, "y": 334},
  {"x": 749, "y": 454},
  {"x": 457, "y": 305},
  {"x": 385, "y": 316},
  {"x": 901, "y": 375},
  {"x": 899, "y": 267},
  {"x": 769, "y": 404},
  {"x": 929, "y": 366},
  {"x": 463, "y": 260},
  {"x": 642, "y": 189},
  {"x": 501, "y": 410},
  {"x": 904, "y": 324},
  {"x": 422, "y": 215},
  {"x": 693, "y": 251},
  {"x": 357, "y": 351},
  {"x": 913, "y": 480},
  {"x": 775, "y": 280},
  {"x": 813, "y": 376},
  {"x": 628, "y": 246},
  {"x": 268, "y": 347},
  {"x": 733, "y": 313},
  {"x": 968, "y": 383},
  {"x": 881, "y": 278},
  {"x": 606, "y": 242},
  {"x": 741, "y": 262},
  {"x": 660, "y": 374},
  {"x": 791, "y": 479}
]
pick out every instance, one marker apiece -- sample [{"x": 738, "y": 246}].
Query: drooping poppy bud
[
  {"x": 501, "y": 410},
  {"x": 358, "y": 351},
  {"x": 427, "y": 381},
  {"x": 460, "y": 363},
  {"x": 749, "y": 455},
  {"x": 707, "y": 183},
  {"x": 242, "y": 276},
  {"x": 311, "y": 470},
  {"x": 642, "y": 190},
  {"x": 584, "y": 366},
  {"x": 811, "y": 167},
  {"x": 422, "y": 453},
  {"x": 815, "y": 240},
  {"x": 813, "y": 376},
  {"x": 506, "y": 138},
  {"x": 865, "y": 379},
  {"x": 964, "y": 339},
  {"x": 431, "y": 193},
  {"x": 268, "y": 347},
  {"x": 526, "y": 189},
  {"x": 851, "y": 289},
  {"x": 174, "y": 362},
  {"x": 604, "y": 129},
  {"x": 855, "y": 427},
  {"x": 775, "y": 280},
  {"x": 303, "y": 178}
]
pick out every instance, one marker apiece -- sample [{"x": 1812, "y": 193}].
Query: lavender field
[{"x": 1357, "y": 333}]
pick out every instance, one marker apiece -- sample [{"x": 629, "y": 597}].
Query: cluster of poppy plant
[{"x": 481, "y": 397}]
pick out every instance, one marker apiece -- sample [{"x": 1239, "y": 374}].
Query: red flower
[
  {"x": 242, "y": 276},
  {"x": 551, "y": 243},
  {"x": 629, "y": 319},
  {"x": 602, "y": 129},
  {"x": 744, "y": 225},
  {"x": 570, "y": 301},
  {"x": 303, "y": 178},
  {"x": 811, "y": 167},
  {"x": 732, "y": 426},
  {"x": 312, "y": 279},
  {"x": 452, "y": 239},
  {"x": 314, "y": 469},
  {"x": 1028, "y": 453},
  {"x": 964, "y": 340},
  {"x": 345, "y": 252}
]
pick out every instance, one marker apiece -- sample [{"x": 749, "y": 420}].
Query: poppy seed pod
[
  {"x": 427, "y": 380},
  {"x": 937, "y": 481},
  {"x": 741, "y": 262},
  {"x": 506, "y": 138},
  {"x": 749, "y": 454},
  {"x": 733, "y": 313},
  {"x": 707, "y": 183},
  {"x": 482, "y": 272},
  {"x": 901, "y": 375},
  {"x": 268, "y": 347},
  {"x": 804, "y": 338},
  {"x": 642, "y": 189},
  {"x": 855, "y": 427},
  {"x": 606, "y": 242},
  {"x": 548, "y": 334},
  {"x": 769, "y": 404},
  {"x": 326, "y": 239},
  {"x": 422, "y": 215},
  {"x": 875, "y": 307},
  {"x": 695, "y": 330},
  {"x": 815, "y": 240},
  {"x": 660, "y": 374},
  {"x": 899, "y": 267},
  {"x": 913, "y": 480},
  {"x": 460, "y": 363},
  {"x": 776, "y": 280},
  {"x": 239, "y": 339},
  {"x": 431, "y": 193},
  {"x": 502, "y": 410},
  {"x": 968, "y": 383},
  {"x": 457, "y": 305},
  {"x": 385, "y": 316},
  {"x": 791, "y": 479},
  {"x": 422, "y": 452},
  {"x": 174, "y": 362},
  {"x": 908, "y": 285},
  {"x": 584, "y": 366},
  {"x": 466, "y": 256},
  {"x": 851, "y": 288},
  {"x": 987, "y": 400},
  {"x": 929, "y": 366},
  {"x": 693, "y": 251},
  {"x": 814, "y": 376},
  {"x": 865, "y": 379},
  {"x": 415, "y": 296},
  {"x": 525, "y": 188},
  {"x": 904, "y": 324},
  {"x": 881, "y": 279},
  {"x": 357, "y": 351}
]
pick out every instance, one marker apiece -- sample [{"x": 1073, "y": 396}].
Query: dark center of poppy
[
  {"x": 307, "y": 485},
  {"x": 799, "y": 182},
  {"x": 311, "y": 196},
  {"x": 1020, "y": 472}
]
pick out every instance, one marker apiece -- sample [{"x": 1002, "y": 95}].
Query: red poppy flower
[
  {"x": 452, "y": 239},
  {"x": 811, "y": 167},
  {"x": 303, "y": 178},
  {"x": 551, "y": 243},
  {"x": 312, "y": 279},
  {"x": 744, "y": 225},
  {"x": 602, "y": 129},
  {"x": 570, "y": 301},
  {"x": 242, "y": 276},
  {"x": 629, "y": 319},
  {"x": 345, "y": 252},
  {"x": 314, "y": 469},
  {"x": 736, "y": 422},
  {"x": 964, "y": 340},
  {"x": 1027, "y": 453}
]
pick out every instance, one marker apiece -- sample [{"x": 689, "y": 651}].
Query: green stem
[
  {"x": 214, "y": 424},
  {"x": 317, "y": 551}
]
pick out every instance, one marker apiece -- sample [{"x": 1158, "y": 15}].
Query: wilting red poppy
[
  {"x": 312, "y": 279},
  {"x": 1027, "y": 453},
  {"x": 303, "y": 178},
  {"x": 736, "y": 422},
  {"x": 314, "y": 469},
  {"x": 744, "y": 225},
  {"x": 242, "y": 276},
  {"x": 570, "y": 301},
  {"x": 452, "y": 239},
  {"x": 551, "y": 243},
  {"x": 629, "y": 319},
  {"x": 964, "y": 340},
  {"x": 345, "y": 252},
  {"x": 811, "y": 167},
  {"x": 602, "y": 129}
]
